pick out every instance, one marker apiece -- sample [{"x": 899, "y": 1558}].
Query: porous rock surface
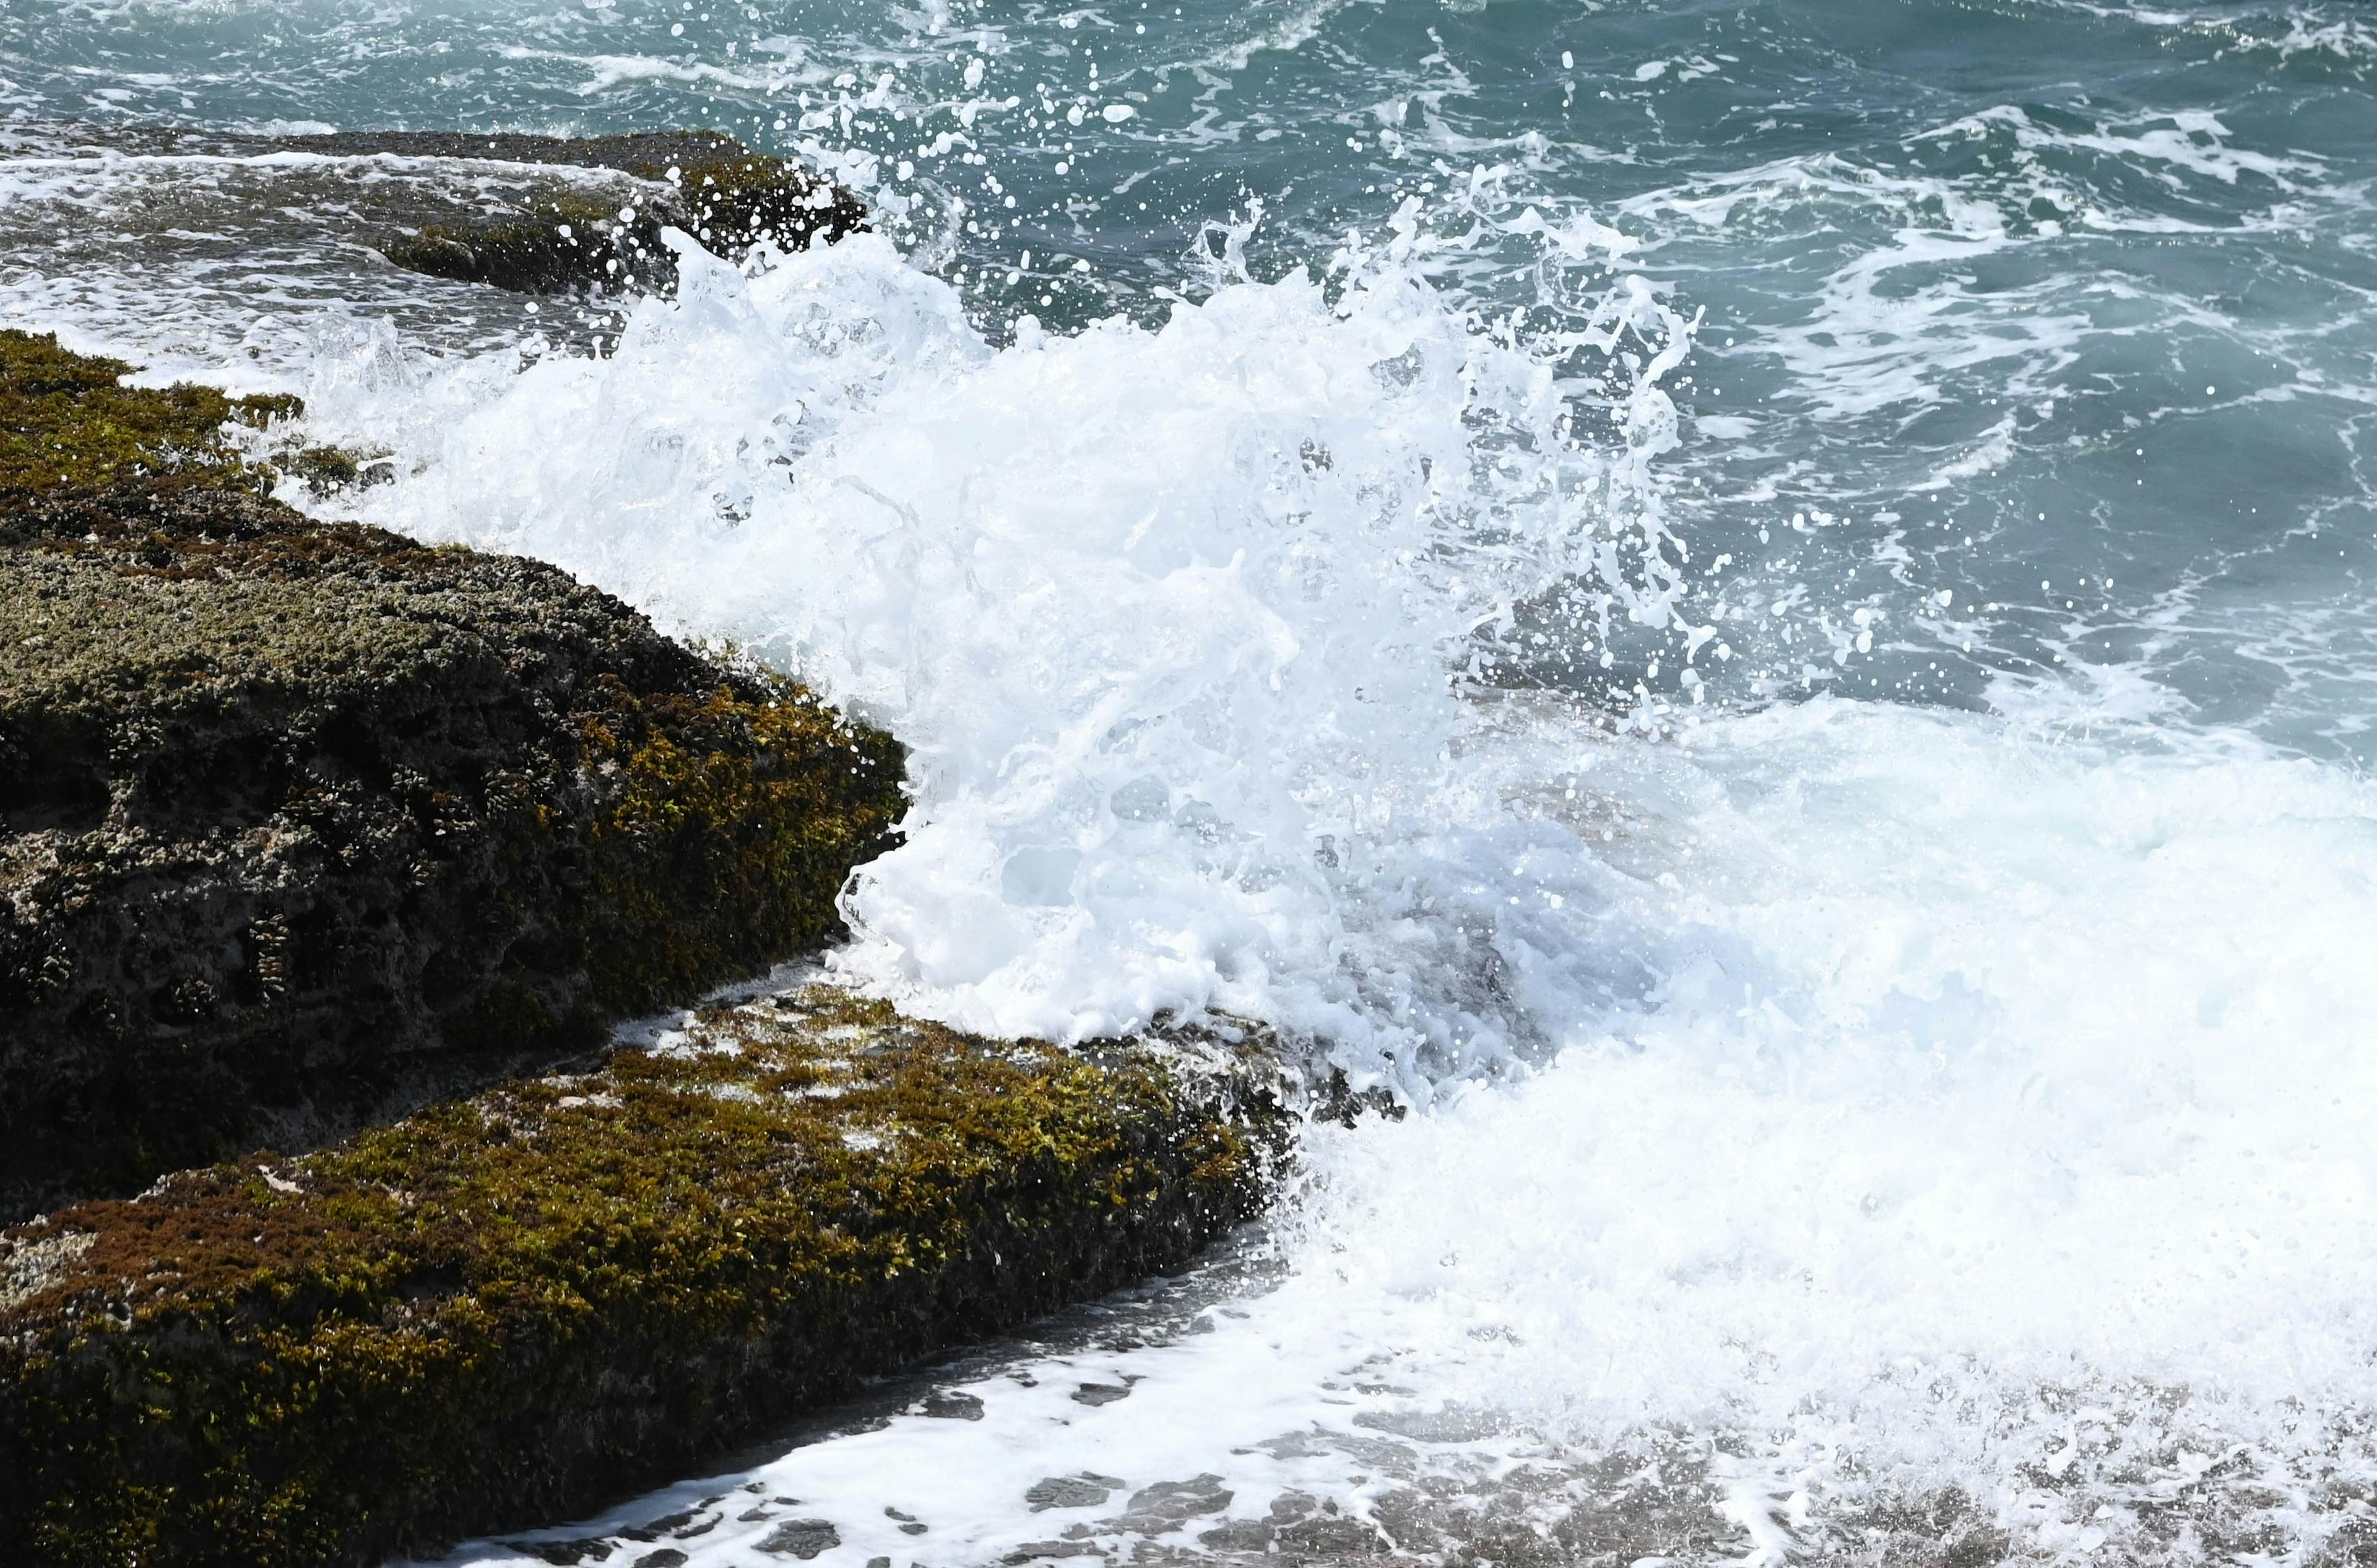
[
  {"x": 305, "y": 825},
  {"x": 516, "y": 1307}
]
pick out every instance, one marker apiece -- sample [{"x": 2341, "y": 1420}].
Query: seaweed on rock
[
  {"x": 66, "y": 419},
  {"x": 506, "y": 1310},
  {"x": 304, "y": 825},
  {"x": 710, "y": 186}
]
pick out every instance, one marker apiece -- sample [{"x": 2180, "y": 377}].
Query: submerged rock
[
  {"x": 710, "y": 186},
  {"x": 518, "y": 1306},
  {"x": 305, "y": 825}
]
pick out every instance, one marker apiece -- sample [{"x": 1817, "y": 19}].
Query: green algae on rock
[
  {"x": 66, "y": 419},
  {"x": 710, "y": 186},
  {"x": 302, "y": 825},
  {"x": 506, "y": 1310}
]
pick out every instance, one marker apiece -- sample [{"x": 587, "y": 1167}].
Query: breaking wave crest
[{"x": 1176, "y": 622}]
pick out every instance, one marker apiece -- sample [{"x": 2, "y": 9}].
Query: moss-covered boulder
[
  {"x": 515, "y": 1308},
  {"x": 302, "y": 826},
  {"x": 710, "y": 186}
]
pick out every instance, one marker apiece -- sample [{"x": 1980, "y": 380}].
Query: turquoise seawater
[{"x": 1990, "y": 295}]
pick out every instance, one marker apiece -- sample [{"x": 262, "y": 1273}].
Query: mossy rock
[
  {"x": 712, "y": 186},
  {"x": 511, "y": 1309},
  {"x": 302, "y": 826},
  {"x": 65, "y": 419}
]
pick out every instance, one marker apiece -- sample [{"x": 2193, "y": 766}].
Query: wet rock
[
  {"x": 709, "y": 186},
  {"x": 1165, "y": 1506},
  {"x": 1099, "y": 1393},
  {"x": 1034, "y": 1551},
  {"x": 305, "y": 825},
  {"x": 531, "y": 1300},
  {"x": 1331, "y": 1535},
  {"x": 953, "y": 1407},
  {"x": 301, "y": 825},
  {"x": 666, "y": 1557},
  {"x": 803, "y": 1538},
  {"x": 564, "y": 1553},
  {"x": 1084, "y": 1490},
  {"x": 1241, "y": 1535},
  {"x": 1416, "y": 1520},
  {"x": 654, "y": 1530}
]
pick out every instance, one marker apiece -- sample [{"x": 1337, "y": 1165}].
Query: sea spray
[{"x": 1176, "y": 622}]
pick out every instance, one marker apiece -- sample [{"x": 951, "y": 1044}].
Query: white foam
[{"x": 1166, "y": 617}]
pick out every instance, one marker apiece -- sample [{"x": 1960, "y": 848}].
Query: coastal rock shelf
[
  {"x": 306, "y": 825},
  {"x": 324, "y": 843},
  {"x": 505, "y": 1310},
  {"x": 709, "y": 186}
]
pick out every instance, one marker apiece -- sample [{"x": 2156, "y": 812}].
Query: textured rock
[
  {"x": 710, "y": 186},
  {"x": 518, "y": 1306},
  {"x": 304, "y": 825}
]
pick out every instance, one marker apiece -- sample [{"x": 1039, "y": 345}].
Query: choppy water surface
[{"x": 1873, "y": 928}]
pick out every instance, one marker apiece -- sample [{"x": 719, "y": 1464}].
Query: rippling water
[{"x": 1761, "y": 608}]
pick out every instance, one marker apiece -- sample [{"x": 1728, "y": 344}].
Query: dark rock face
[
  {"x": 302, "y": 826},
  {"x": 512, "y": 1308},
  {"x": 710, "y": 186}
]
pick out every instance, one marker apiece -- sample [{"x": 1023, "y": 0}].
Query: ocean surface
[{"x": 1764, "y": 610}]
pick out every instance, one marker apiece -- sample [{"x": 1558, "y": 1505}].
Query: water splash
[{"x": 1175, "y": 621}]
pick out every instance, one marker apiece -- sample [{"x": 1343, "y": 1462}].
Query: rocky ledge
[
  {"x": 709, "y": 186},
  {"x": 302, "y": 825},
  {"x": 319, "y": 840},
  {"x": 513, "y": 1308}
]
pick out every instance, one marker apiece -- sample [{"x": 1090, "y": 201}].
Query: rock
[
  {"x": 518, "y": 1306},
  {"x": 953, "y": 1407},
  {"x": 563, "y": 1554},
  {"x": 803, "y": 1538},
  {"x": 1099, "y": 1393},
  {"x": 1034, "y": 1551},
  {"x": 68, "y": 423},
  {"x": 302, "y": 825},
  {"x": 710, "y": 186},
  {"x": 1330, "y": 1535},
  {"x": 1084, "y": 1490},
  {"x": 1165, "y": 1506},
  {"x": 1239, "y": 1535},
  {"x": 653, "y": 1529}
]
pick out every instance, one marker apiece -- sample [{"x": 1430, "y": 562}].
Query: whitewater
[
  {"x": 1758, "y": 618},
  {"x": 1841, "y": 1104}
]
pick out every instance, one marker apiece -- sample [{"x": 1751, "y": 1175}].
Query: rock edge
[
  {"x": 302, "y": 825},
  {"x": 517, "y": 1307}
]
